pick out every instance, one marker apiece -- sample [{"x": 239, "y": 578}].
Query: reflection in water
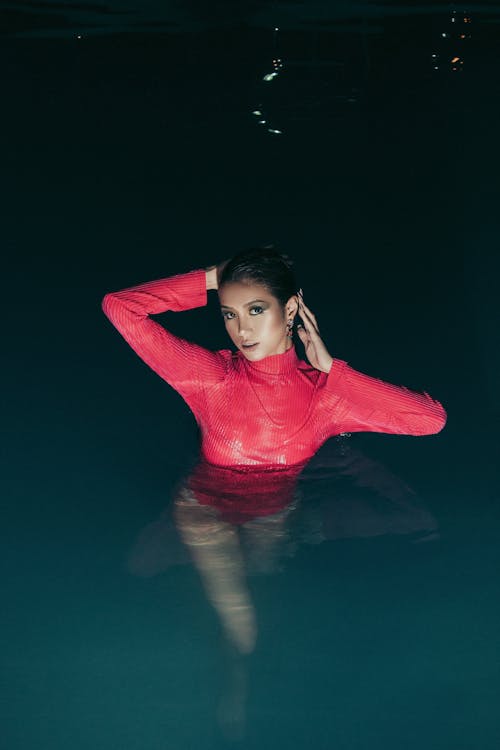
[
  {"x": 349, "y": 494},
  {"x": 236, "y": 522}
]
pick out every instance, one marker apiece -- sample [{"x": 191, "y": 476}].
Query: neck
[{"x": 275, "y": 364}]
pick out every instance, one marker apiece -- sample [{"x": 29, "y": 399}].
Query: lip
[{"x": 249, "y": 346}]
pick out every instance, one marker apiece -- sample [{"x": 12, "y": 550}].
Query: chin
[{"x": 254, "y": 356}]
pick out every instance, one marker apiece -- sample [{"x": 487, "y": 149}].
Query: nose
[{"x": 245, "y": 328}]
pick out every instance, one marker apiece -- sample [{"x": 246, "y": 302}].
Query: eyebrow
[{"x": 247, "y": 304}]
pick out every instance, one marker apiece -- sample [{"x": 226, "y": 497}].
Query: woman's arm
[
  {"x": 213, "y": 274},
  {"x": 367, "y": 404},
  {"x": 187, "y": 367}
]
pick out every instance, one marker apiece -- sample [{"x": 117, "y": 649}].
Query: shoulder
[{"x": 225, "y": 355}]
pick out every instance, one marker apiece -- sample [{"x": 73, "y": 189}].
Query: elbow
[
  {"x": 442, "y": 421},
  {"x": 107, "y": 304},
  {"x": 439, "y": 425},
  {"x": 112, "y": 309},
  {"x": 436, "y": 419},
  {"x": 428, "y": 421}
]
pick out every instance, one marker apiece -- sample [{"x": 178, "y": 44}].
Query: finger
[
  {"x": 309, "y": 312},
  {"x": 302, "y": 333},
  {"x": 308, "y": 322},
  {"x": 310, "y": 331},
  {"x": 303, "y": 304},
  {"x": 308, "y": 318},
  {"x": 304, "y": 337}
]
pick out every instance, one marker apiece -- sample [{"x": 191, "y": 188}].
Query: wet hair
[{"x": 265, "y": 266}]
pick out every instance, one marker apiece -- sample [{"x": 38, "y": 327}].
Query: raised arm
[
  {"x": 361, "y": 403},
  {"x": 367, "y": 404},
  {"x": 187, "y": 367}
]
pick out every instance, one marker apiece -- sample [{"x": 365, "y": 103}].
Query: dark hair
[{"x": 265, "y": 266}]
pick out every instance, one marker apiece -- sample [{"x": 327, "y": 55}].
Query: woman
[{"x": 262, "y": 413}]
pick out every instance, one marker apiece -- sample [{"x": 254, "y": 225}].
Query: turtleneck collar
[{"x": 275, "y": 364}]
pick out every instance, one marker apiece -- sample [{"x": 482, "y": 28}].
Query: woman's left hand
[{"x": 308, "y": 333}]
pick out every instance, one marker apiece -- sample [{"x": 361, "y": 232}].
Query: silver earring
[{"x": 289, "y": 329}]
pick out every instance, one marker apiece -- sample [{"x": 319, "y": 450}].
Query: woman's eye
[{"x": 255, "y": 310}]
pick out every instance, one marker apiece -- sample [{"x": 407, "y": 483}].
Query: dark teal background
[{"x": 133, "y": 156}]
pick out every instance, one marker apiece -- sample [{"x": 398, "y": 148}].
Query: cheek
[
  {"x": 231, "y": 328},
  {"x": 276, "y": 324}
]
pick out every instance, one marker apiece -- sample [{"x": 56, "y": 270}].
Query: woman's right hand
[{"x": 213, "y": 274}]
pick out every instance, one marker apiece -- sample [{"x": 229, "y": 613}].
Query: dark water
[{"x": 132, "y": 154}]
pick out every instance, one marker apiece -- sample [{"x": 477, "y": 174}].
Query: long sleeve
[
  {"x": 367, "y": 404},
  {"x": 187, "y": 367}
]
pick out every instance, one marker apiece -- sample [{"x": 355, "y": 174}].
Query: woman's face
[{"x": 255, "y": 320}]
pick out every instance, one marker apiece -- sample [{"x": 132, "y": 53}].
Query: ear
[{"x": 292, "y": 305}]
